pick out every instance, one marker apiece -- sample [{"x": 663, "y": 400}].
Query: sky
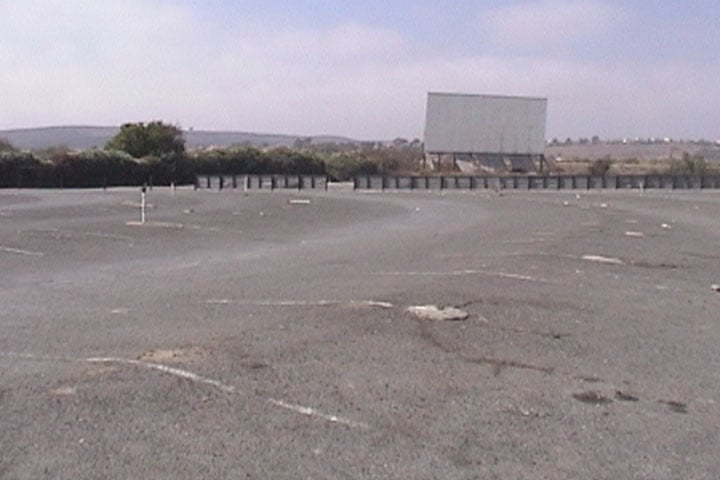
[{"x": 360, "y": 69}]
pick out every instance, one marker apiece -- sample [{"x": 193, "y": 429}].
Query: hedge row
[{"x": 98, "y": 168}]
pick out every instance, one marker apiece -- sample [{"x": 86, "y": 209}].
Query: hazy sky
[{"x": 361, "y": 69}]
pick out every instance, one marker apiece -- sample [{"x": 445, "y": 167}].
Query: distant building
[{"x": 486, "y": 132}]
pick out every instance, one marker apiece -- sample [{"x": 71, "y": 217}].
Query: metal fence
[
  {"x": 261, "y": 182},
  {"x": 534, "y": 182}
]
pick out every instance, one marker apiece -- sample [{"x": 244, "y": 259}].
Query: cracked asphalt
[{"x": 248, "y": 336}]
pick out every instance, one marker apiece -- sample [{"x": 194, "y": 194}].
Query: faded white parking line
[
  {"x": 177, "y": 226},
  {"x": 19, "y": 251},
  {"x": 461, "y": 273},
  {"x": 155, "y": 366},
  {"x": 163, "y": 368},
  {"x": 64, "y": 234},
  {"x": 601, "y": 259},
  {"x": 300, "y": 303},
  {"x": 30, "y": 356},
  {"x": 307, "y": 411},
  {"x": 311, "y": 412}
]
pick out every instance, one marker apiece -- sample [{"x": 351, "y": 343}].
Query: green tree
[{"x": 156, "y": 139}]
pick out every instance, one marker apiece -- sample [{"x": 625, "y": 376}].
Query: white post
[{"x": 142, "y": 205}]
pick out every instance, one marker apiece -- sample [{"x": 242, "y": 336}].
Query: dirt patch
[{"x": 177, "y": 355}]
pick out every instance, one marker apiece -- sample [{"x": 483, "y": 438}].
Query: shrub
[
  {"x": 344, "y": 166},
  {"x": 600, "y": 166},
  {"x": 23, "y": 169}
]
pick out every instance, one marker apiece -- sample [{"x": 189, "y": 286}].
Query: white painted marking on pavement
[
  {"x": 29, "y": 356},
  {"x": 515, "y": 276},
  {"x": 601, "y": 259},
  {"x": 19, "y": 251},
  {"x": 299, "y": 303},
  {"x": 433, "y": 312},
  {"x": 155, "y": 366},
  {"x": 163, "y": 368},
  {"x": 307, "y": 411},
  {"x": 460, "y": 273},
  {"x": 373, "y": 303},
  {"x": 155, "y": 224},
  {"x": 311, "y": 412}
]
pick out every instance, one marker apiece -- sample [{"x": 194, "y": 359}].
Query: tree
[
  {"x": 155, "y": 139},
  {"x": 6, "y": 146},
  {"x": 601, "y": 166}
]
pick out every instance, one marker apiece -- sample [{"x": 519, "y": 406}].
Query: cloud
[
  {"x": 545, "y": 26},
  {"x": 110, "y": 62},
  {"x": 93, "y": 62}
]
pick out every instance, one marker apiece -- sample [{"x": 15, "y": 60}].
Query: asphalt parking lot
[{"x": 267, "y": 335}]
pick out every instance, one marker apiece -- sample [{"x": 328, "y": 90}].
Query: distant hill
[
  {"x": 637, "y": 151},
  {"x": 85, "y": 137}
]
